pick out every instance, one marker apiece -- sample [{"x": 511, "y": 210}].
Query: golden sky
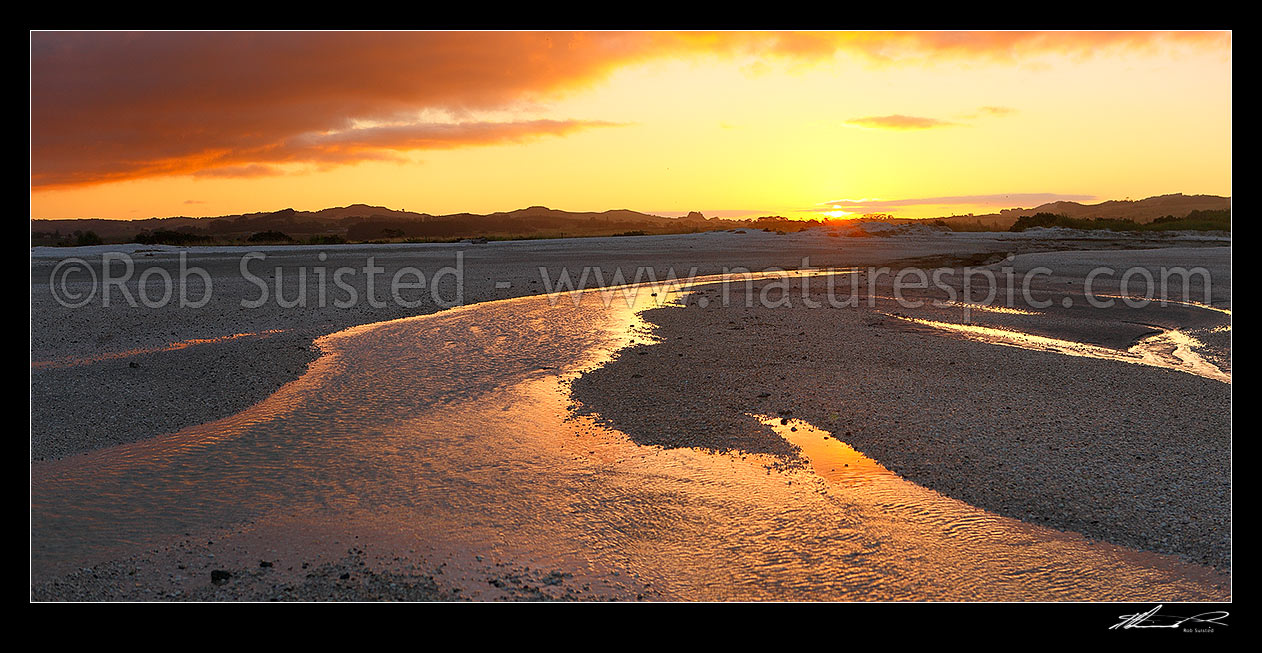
[{"x": 136, "y": 125}]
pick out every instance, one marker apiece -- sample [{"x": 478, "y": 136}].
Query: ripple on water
[{"x": 457, "y": 425}]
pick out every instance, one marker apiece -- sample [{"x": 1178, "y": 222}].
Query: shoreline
[
  {"x": 1026, "y": 434},
  {"x": 78, "y": 581},
  {"x": 120, "y": 399}
]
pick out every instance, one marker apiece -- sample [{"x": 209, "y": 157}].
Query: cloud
[
  {"x": 238, "y": 171},
  {"x": 444, "y": 135},
  {"x": 902, "y": 122},
  {"x": 988, "y": 112},
  {"x": 1013, "y": 47},
  {"x": 899, "y": 122},
  {"x": 381, "y": 143},
  {"x": 886, "y": 47},
  {"x": 107, "y": 106},
  {"x": 998, "y": 200},
  {"x": 113, "y": 106}
]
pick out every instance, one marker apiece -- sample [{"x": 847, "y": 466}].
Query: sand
[
  {"x": 123, "y": 398},
  {"x": 1041, "y": 437},
  {"x": 1130, "y": 454}
]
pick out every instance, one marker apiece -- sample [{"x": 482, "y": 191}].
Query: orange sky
[{"x": 134, "y": 125}]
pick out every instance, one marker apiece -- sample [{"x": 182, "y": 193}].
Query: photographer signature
[{"x": 1151, "y": 619}]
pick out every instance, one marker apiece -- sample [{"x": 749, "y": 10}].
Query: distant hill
[
  {"x": 1141, "y": 211},
  {"x": 361, "y": 222},
  {"x": 365, "y": 223}
]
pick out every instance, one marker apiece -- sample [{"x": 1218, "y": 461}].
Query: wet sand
[
  {"x": 134, "y": 385},
  {"x": 1123, "y": 452},
  {"x": 684, "y": 392}
]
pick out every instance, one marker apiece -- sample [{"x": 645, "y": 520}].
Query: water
[
  {"x": 458, "y": 424},
  {"x": 1170, "y": 349}
]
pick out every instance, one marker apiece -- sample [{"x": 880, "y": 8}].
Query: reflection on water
[
  {"x": 988, "y": 308},
  {"x": 1144, "y": 301},
  {"x": 1170, "y": 349},
  {"x": 830, "y": 458},
  {"x": 458, "y": 423}
]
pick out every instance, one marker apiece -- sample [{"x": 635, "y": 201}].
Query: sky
[{"x": 733, "y": 124}]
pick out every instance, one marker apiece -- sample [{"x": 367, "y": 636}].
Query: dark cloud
[
  {"x": 108, "y": 106},
  {"x": 111, "y": 106}
]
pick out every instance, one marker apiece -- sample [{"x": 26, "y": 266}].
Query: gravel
[
  {"x": 106, "y": 375},
  {"x": 1134, "y": 455},
  {"x": 312, "y": 558}
]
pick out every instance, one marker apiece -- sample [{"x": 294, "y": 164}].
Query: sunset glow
[{"x": 731, "y": 124}]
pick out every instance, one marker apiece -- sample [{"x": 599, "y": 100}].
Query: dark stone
[{"x": 219, "y": 576}]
